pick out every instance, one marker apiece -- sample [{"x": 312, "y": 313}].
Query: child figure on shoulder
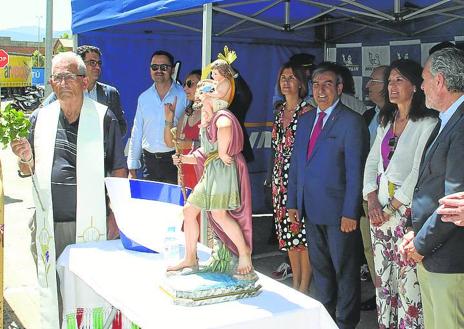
[{"x": 216, "y": 94}]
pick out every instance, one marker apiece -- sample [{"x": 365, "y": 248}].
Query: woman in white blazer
[{"x": 389, "y": 180}]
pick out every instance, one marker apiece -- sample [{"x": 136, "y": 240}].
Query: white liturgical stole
[{"x": 91, "y": 206}]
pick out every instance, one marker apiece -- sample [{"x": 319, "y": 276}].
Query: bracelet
[
  {"x": 168, "y": 123},
  {"x": 27, "y": 161}
]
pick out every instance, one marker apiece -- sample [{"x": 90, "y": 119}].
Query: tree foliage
[
  {"x": 38, "y": 60},
  {"x": 13, "y": 125}
]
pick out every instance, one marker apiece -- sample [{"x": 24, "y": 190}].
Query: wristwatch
[{"x": 389, "y": 209}]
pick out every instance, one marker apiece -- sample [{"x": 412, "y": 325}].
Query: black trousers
[
  {"x": 335, "y": 259},
  {"x": 159, "y": 167}
]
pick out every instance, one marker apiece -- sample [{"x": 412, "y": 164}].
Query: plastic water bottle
[{"x": 171, "y": 246}]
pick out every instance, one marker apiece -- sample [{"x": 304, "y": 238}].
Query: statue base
[
  {"x": 204, "y": 288},
  {"x": 215, "y": 281}
]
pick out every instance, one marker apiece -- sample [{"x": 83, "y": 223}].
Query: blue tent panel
[{"x": 88, "y": 15}]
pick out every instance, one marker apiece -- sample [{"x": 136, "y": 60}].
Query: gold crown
[{"x": 229, "y": 56}]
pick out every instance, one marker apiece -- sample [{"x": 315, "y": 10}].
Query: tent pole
[
  {"x": 425, "y": 9},
  {"x": 75, "y": 42},
  {"x": 397, "y": 7},
  {"x": 287, "y": 16},
  {"x": 206, "y": 34},
  {"x": 233, "y": 26},
  {"x": 48, "y": 45},
  {"x": 205, "y": 60}
]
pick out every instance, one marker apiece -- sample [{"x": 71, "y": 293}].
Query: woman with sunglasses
[
  {"x": 292, "y": 86},
  {"x": 187, "y": 133},
  {"x": 390, "y": 176}
]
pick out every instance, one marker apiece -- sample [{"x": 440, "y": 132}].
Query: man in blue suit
[
  {"x": 325, "y": 183},
  {"x": 435, "y": 244}
]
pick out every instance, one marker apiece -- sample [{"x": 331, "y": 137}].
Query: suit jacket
[
  {"x": 328, "y": 185},
  {"x": 106, "y": 95},
  {"x": 369, "y": 115},
  {"x": 441, "y": 173}
]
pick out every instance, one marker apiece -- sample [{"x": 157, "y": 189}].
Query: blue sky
[{"x": 24, "y": 13}]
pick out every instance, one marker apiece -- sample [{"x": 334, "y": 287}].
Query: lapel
[
  {"x": 446, "y": 130},
  {"x": 326, "y": 129},
  {"x": 101, "y": 95}
]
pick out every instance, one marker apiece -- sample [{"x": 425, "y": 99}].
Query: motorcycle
[{"x": 29, "y": 101}]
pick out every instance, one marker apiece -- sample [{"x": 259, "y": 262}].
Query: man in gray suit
[
  {"x": 436, "y": 245},
  {"x": 100, "y": 92}
]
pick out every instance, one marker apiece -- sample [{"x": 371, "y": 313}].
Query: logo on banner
[
  {"x": 404, "y": 56},
  {"x": 348, "y": 62},
  {"x": 374, "y": 59}
]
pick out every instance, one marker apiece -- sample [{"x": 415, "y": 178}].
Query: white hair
[
  {"x": 450, "y": 62},
  {"x": 70, "y": 57}
]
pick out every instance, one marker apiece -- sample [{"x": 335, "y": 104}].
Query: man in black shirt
[{"x": 72, "y": 145}]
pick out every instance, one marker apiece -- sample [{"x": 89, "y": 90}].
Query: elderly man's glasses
[
  {"x": 57, "y": 78},
  {"x": 93, "y": 63},
  {"x": 392, "y": 143},
  {"x": 189, "y": 83},
  {"x": 162, "y": 67}
]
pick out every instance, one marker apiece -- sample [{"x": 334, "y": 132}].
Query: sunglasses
[
  {"x": 392, "y": 143},
  {"x": 93, "y": 63},
  {"x": 162, "y": 67},
  {"x": 189, "y": 83}
]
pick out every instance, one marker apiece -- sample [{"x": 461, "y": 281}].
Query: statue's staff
[{"x": 180, "y": 174}]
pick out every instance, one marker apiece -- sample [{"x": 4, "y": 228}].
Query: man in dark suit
[
  {"x": 100, "y": 92},
  {"x": 375, "y": 87},
  {"x": 436, "y": 245},
  {"x": 325, "y": 183}
]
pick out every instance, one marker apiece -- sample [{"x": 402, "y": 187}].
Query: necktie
[{"x": 315, "y": 134}]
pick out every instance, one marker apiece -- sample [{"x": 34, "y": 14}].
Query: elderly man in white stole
[{"x": 73, "y": 142}]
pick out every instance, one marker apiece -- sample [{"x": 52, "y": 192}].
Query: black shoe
[
  {"x": 365, "y": 274},
  {"x": 369, "y": 305}
]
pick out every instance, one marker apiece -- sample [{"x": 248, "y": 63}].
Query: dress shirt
[
  {"x": 327, "y": 112},
  {"x": 445, "y": 116},
  {"x": 92, "y": 93},
  {"x": 373, "y": 125},
  {"x": 148, "y": 129}
]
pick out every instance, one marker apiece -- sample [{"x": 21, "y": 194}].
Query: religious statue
[{"x": 223, "y": 190}]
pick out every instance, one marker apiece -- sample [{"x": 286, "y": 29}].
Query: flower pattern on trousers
[{"x": 398, "y": 297}]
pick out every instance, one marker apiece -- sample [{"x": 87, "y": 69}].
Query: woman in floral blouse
[
  {"x": 291, "y": 235},
  {"x": 389, "y": 179}
]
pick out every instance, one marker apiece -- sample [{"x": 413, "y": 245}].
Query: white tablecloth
[{"x": 130, "y": 282}]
